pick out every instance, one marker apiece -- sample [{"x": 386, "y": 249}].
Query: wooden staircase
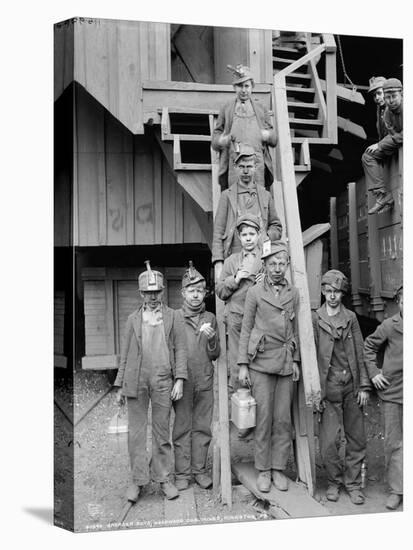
[{"x": 305, "y": 114}]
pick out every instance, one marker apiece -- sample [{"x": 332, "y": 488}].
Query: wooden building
[{"x": 135, "y": 176}]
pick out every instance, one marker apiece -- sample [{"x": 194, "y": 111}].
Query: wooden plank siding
[
  {"x": 125, "y": 193},
  {"x": 110, "y": 59}
]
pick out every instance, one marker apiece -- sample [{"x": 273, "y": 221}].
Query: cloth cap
[
  {"x": 376, "y": 82},
  {"x": 249, "y": 219},
  {"x": 191, "y": 276},
  {"x": 244, "y": 151},
  {"x": 240, "y": 74},
  {"x": 336, "y": 279},
  {"x": 276, "y": 246},
  {"x": 392, "y": 85}
]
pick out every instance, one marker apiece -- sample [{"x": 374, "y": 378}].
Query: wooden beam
[
  {"x": 331, "y": 93},
  {"x": 354, "y": 248},
  {"x": 300, "y": 62},
  {"x": 347, "y": 94},
  {"x": 334, "y": 259},
  {"x": 376, "y": 301},
  {"x": 198, "y": 186},
  {"x": 314, "y": 262},
  {"x": 314, "y": 232},
  {"x": 351, "y": 127},
  {"x": 285, "y": 164},
  {"x": 221, "y": 365}
]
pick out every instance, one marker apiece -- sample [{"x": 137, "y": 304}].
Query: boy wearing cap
[
  {"x": 269, "y": 361},
  {"x": 153, "y": 366},
  {"x": 244, "y": 197},
  {"x": 243, "y": 120},
  {"x": 344, "y": 387},
  {"x": 376, "y": 90},
  {"x": 240, "y": 271},
  {"x": 380, "y": 152},
  {"x": 193, "y": 413},
  {"x": 388, "y": 380}
]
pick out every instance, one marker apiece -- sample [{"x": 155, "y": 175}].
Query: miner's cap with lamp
[
  {"x": 271, "y": 248},
  {"x": 191, "y": 276},
  {"x": 240, "y": 74},
  {"x": 336, "y": 279},
  {"x": 376, "y": 82},
  {"x": 392, "y": 85},
  {"x": 248, "y": 219},
  {"x": 149, "y": 280},
  {"x": 245, "y": 151}
]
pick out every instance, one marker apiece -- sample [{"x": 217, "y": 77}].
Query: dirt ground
[{"x": 98, "y": 462}]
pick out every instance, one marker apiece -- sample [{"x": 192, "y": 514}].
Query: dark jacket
[
  {"x": 393, "y": 121},
  {"x": 269, "y": 333},
  {"x": 353, "y": 346},
  {"x": 380, "y": 126},
  {"x": 228, "y": 290},
  {"x": 131, "y": 353},
  {"x": 224, "y": 124},
  {"x": 390, "y": 335},
  {"x": 200, "y": 350},
  {"x": 226, "y": 219}
]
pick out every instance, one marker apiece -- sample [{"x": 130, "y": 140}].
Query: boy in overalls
[{"x": 153, "y": 367}]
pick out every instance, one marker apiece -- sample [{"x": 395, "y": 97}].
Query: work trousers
[
  {"x": 157, "y": 389},
  {"x": 273, "y": 431},
  {"x": 341, "y": 409},
  {"x": 234, "y": 323},
  {"x": 393, "y": 445},
  {"x": 373, "y": 167},
  {"x": 192, "y": 429}
]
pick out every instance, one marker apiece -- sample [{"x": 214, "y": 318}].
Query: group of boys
[
  {"x": 167, "y": 355},
  {"x": 167, "y": 358},
  {"x": 388, "y": 96}
]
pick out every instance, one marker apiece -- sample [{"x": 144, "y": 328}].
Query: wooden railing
[{"x": 286, "y": 194}]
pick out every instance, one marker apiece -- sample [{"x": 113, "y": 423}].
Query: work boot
[
  {"x": 203, "y": 480},
  {"x": 169, "y": 490},
  {"x": 264, "y": 481},
  {"x": 280, "y": 480},
  {"x": 384, "y": 201},
  {"x": 332, "y": 492},
  {"x": 393, "y": 501},
  {"x": 356, "y": 496},
  {"x": 181, "y": 483},
  {"x": 243, "y": 434},
  {"x": 133, "y": 492}
]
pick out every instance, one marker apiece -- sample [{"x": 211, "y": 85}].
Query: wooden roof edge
[{"x": 314, "y": 232}]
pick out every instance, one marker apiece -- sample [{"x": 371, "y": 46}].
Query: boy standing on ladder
[
  {"x": 269, "y": 361},
  {"x": 193, "y": 413},
  {"x": 344, "y": 387},
  {"x": 389, "y": 382},
  {"x": 153, "y": 367},
  {"x": 241, "y": 270},
  {"x": 244, "y": 197}
]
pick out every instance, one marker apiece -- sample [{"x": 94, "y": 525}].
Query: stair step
[
  {"x": 189, "y": 166},
  {"x": 293, "y": 52},
  {"x": 302, "y": 167},
  {"x": 305, "y": 122},
  {"x": 298, "y": 76},
  {"x": 302, "y": 93},
  {"x": 303, "y": 107},
  {"x": 186, "y": 137},
  {"x": 190, "y": 111},
  {"x": 313, "y": 140}
]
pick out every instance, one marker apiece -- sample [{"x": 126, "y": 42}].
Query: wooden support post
[
  {"x": 331, "y": 91},
  {"x": 293, "y": 225},
  {"x": 376, "y": 301},
  {"x": 221, "y": 365},
  {"x": 333, "y": 234},
  {"x": 354, "y": 248}
]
